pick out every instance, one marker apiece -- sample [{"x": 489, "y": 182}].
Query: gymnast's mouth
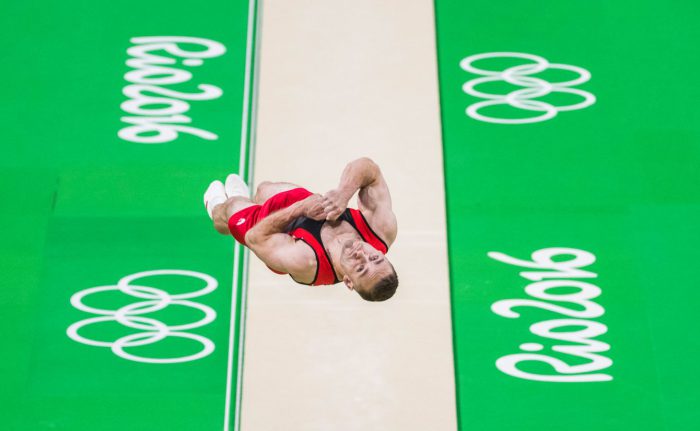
[
  {"x": 350, "y": 246},
  {"x": 347, "y": 245}
]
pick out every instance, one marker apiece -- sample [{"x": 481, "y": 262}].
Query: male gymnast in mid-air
[{"x": 315, "y": 238}]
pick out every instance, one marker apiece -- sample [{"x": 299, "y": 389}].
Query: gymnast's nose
[{"x": 358, "y": 253}]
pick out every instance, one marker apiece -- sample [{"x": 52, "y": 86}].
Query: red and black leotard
[
  {"x": 304, "y": 229},
  {"x": 309, "y": 231}
]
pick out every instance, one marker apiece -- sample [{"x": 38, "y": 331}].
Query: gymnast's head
[{"x": 367, "y": 271}]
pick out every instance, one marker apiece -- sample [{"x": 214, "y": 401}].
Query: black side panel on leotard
[
  {"x": 310, "y": 225},
  {"x": 314, "y": 227}
]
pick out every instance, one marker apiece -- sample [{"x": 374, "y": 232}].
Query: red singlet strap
[
  {"x": 366, "y": 232},
  {"x": 324, "y": 271}
]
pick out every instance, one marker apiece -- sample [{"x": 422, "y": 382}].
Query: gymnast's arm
[
  {"x": 374, "y": 198},
  {"x": 278, "y": 250}
]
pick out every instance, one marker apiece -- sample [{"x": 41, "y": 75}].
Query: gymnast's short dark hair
[{"x": 383, "y": 290}]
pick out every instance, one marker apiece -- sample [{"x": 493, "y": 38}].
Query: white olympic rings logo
[
  {"x": 152, "y": 330},
  {"x": 534, "y": 87}
]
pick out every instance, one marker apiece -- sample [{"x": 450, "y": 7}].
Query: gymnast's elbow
[{"x": 366, "y": 161}]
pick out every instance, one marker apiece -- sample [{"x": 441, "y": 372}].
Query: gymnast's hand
[
  {"x": 334, "y": 203},
  {"x": 313, "y": 207}
]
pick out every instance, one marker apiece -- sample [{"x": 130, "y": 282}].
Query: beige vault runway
[{"x": 339, "y": 80}]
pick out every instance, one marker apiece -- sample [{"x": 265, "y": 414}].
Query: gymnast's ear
[{"x": 348, "y": 282}]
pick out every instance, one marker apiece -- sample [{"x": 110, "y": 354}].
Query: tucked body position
[{"x": 314, "y": 238}]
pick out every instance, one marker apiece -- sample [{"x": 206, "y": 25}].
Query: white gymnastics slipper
[
  {"x": 215, "y": 195},
  {"x": 235, "y": 186}
]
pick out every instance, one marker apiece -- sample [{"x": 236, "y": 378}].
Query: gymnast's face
[{"x": 363, "y": 265}]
